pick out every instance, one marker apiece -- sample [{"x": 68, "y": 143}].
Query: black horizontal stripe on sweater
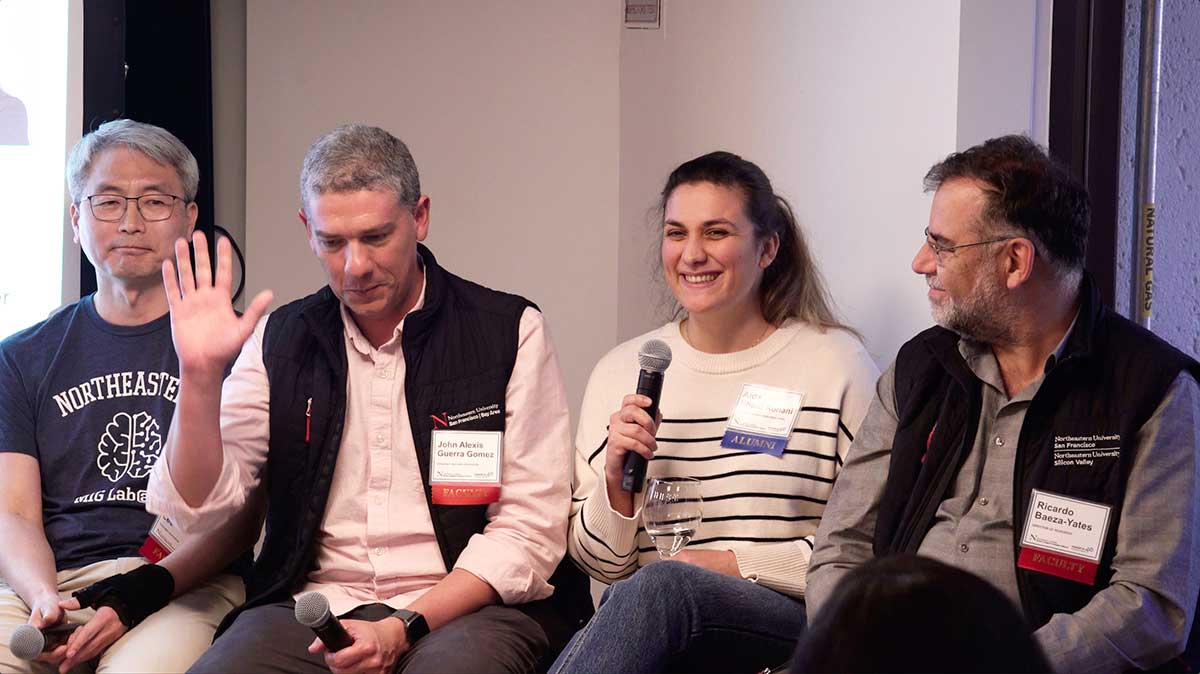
[
  {"x": 823, "y": 410},
  {"x": 815, "y": 455},
  {"x": 730, "y": 455},
  {"x": 777, "y": 473},
  {"x": 807, "y": 431},
  {"x": 758, "y": 494},
  {"x": 748, "y": 539},
  {"x": 743, "y": 518}
]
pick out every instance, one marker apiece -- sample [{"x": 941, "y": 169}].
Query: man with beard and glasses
[{"x": 1034, "y": 438}]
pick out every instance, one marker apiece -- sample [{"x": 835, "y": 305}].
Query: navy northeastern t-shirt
[{"x": 92, "y": 403}]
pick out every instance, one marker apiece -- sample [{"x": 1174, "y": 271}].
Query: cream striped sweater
[{"x": 765, "y": 509}]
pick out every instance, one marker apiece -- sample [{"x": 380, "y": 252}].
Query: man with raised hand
[
  {"x": 408, "y": 429},
  {"x": 86, "y": 397},
  {"x": 1034, "y": 438}
]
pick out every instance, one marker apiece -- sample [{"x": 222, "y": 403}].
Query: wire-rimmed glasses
[{"x": 938, "y": 249}]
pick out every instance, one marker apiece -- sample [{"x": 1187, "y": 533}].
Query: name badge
[
  {"x": 465, "y": 467},
  {"x": 762, "y": 419},
  {"x": 164, "y": 537},
  {"x": 1064, "y": 536}
]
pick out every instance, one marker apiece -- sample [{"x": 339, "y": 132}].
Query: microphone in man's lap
[
  {"x": 312, "y": 611},
  {"x": 654, "y": 358},
  {"x": 27, "y": 642}
]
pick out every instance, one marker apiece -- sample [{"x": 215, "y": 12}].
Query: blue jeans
[{"x": 673, "y": 616}]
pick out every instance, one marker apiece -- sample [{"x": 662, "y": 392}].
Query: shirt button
[
  {"x": 378, "y": 500},
  {"x": 964, "y": 548},
  {"x": 379, "y": 438},
  {"x": 999, "y": 441},
  {"x": 379, "y": 551},
  {"x": 983, "y": 501}
]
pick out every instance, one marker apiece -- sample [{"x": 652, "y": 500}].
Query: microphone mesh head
[
  {"x": 654, "y": 356},
  {"x": 312, "y": 608},
  {"x": 26, "y": 642}
]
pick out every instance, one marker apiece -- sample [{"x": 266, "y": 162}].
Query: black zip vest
[
  {"x": 459, "y": 351},
  {"x": 1112, "y": 377}
]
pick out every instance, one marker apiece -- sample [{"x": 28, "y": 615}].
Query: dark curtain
[
  {"x": 1085, "y": 116},
  {"x": 150, "y": 61}
]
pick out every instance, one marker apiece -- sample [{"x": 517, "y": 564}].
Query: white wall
[
  {"x": 1004, "y": 70},
  {"x": 229, "y": 119},
  {"x": 845, "y": 105},
  {"x": 71, "y": 252},
  {"x": 510, "y": 110},
  {"x": 543, "y": 131}
]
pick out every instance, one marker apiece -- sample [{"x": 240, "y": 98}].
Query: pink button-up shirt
[{"x": 376, "y": 541}]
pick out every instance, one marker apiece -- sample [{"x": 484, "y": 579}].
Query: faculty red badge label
[
  {"x": 465, "y": 467},
  {"x": 1064, "y": 536},
  {"x": 163, "y": 539}
]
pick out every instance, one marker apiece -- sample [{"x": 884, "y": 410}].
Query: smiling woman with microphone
[{"x": 764, "y": 392}]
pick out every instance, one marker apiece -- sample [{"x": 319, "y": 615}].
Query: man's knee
[
  {"x": 494, "y": 639},
  {"x": 262, "y": 639}
]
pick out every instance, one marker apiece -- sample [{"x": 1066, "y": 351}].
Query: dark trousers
[{"x": 267, "y": 639}]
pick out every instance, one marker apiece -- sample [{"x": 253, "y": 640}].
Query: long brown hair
[{"x": 791, "y": 286}]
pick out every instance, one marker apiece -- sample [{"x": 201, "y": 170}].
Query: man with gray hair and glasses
[
  {"x": 86, "y": 397},
  {"x": 1034, "y": 437},
  {"x": 407, "y": 428}
]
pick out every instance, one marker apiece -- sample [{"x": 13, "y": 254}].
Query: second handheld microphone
[
  {"x": 654, "y": 358},
  {"x": 312, "y": 611}
]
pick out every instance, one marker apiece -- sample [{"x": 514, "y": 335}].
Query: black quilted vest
[
  {"x": 459, "y": 351},
  {"x": 1112, "y": 376}
]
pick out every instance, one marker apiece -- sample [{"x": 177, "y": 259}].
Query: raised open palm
[{"x": 206, "y": 330}]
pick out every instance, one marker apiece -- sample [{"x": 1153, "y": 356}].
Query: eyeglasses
[
  {"x": 153, "y": 207},
  {"x": 938, "y": 249}
]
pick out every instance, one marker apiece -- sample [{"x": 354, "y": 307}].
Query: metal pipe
[{"x": 1149, "y": 69}]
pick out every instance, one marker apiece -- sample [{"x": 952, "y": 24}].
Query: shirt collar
[
  {"x": 982, "y": 361},
  {"x": 1059, "y": 350}
]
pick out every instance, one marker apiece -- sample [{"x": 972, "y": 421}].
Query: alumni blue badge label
[{"x": 762, "y": 419}]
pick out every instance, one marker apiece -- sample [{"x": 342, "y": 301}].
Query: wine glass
[{"x": 671, "y": 513}]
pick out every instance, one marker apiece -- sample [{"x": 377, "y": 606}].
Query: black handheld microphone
[
  {"x": 654, "y": 357},
  {"x": 27, "y": 641},
  {"x": 312, "y": 611}
]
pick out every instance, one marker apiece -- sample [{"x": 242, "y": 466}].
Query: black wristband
[{"x": 133, "y": 595}]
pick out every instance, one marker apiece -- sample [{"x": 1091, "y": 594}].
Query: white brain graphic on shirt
[{"x": 130, "y": 446}]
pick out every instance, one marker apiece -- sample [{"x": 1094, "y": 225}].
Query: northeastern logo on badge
[{"x": 452, "y": 419}]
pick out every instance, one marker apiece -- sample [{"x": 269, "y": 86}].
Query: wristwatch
[{"x": 415, "y": 626}]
